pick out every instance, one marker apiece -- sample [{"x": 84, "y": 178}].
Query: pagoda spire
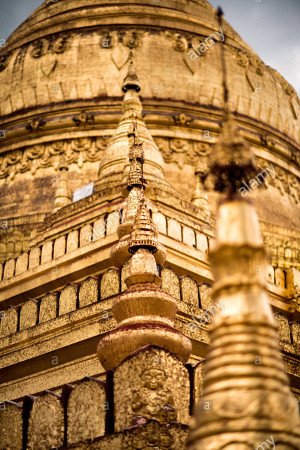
[
  {"x": 144, "y": 312},
  {"x": 115, "y": 157},
  {"x": 246, "y": 401},
  {"x": 62, "y": 194}
]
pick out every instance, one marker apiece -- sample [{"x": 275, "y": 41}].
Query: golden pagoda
[{"x": 118, "y": 331}]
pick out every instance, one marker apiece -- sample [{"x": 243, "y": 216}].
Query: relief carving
[
  {"x": 153, "y": 435},
  {"x": 284, "y": 181},
  {"x": 39, "y": 48},
  {"x": 106, "y": 40},
  {"x": 253, "y": 68},
  {"x": 277, "y": 246},
  {"x": 47, "y": 155},
  {"x": 57, "y": 44},
  {"x": 178, "y": 152},
  {"x": 35, "y": 125},
  {"x": 181, "y": 151},
  {"x": 121, "y": 43},
  {"x": 293, "y": 98},
  {"x": 84, "y": 118},
  {"x": 182, "y": 119},
  {"x": 179, "y": 43},
  {"x": 153, "y": 400}
]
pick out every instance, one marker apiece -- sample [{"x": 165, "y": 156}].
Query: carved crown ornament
[
  {"x": 120, "y": 42},
  {"x": 192, "y": 48},
  {"x": 153, "y": 435}
]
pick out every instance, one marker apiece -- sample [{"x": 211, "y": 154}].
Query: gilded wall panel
[
  {"x": 152, "y": 384},
  {"x": 46, "y": 423},
  {"x": 170, "y": 283},
  {"x": 11, "y": 426},
  {"x": 86, "y": 411},
  {"x": 72, "y": 241},
  {"x": 88, "y": 292},
  {"x": 48, "y": 308},
  {"x": 189, "y": 291},
  {"x": 59, "y": 246},
  {"x": 22, "y": 263},
  {"x": 28, "y": 314},
  {"x": 47, "y": 252},
  {"x": 9, "y": 321},
  {"x": 110, "y": 283},
  {"x": 34, "y": 257},
  {"x": 68, "y": 300}
]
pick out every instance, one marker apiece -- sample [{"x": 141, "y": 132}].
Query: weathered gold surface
[
  {"x": 88, "y": 292},
  {"x": 46, "y": 423},
  {"x": 86, "y": 411},
  {"x": 11, "y": 429},
  {"x": 145, "y": 314},
  {"x": 151, "y": 384},
  {"x": 63, "y": 117}
]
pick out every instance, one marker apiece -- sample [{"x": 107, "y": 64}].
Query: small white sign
[{"x": 83, "y": 192}]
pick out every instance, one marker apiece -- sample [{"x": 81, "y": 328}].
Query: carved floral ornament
[
  {"x": 283, "y": 249},
  {"x": 182, "y": 151},
  {"x": 31, "y": 159},
  {"x": 284, "y": 181},
  {"x": 79, "y": 151}
]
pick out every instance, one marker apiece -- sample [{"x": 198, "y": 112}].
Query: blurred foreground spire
[
  {"x": 246, "y": 402},
  {"x": 232, "y": 161}
]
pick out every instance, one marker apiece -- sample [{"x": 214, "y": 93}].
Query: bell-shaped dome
[{"x": 61, "y": 74}]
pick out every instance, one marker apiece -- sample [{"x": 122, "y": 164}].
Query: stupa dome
[{"x": 61, "y": 74}]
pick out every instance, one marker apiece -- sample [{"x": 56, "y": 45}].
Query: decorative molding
[
  {"x": 35, "y": 125},
  {"x": 284, "y": 181},
  {"x": 31, "y": 159},
  {"x": 84, "y": 118},
  {"x": 55, "y": 44},
  {"x": 182, "y": 151},
  {"x": 90, "y": 149}
]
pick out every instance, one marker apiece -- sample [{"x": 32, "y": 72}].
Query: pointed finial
[
  {"x": 144, "y": 233},
  {"x": 136, "y": 159},
  {"x": 131, "y": 81},
  {"x": 220, "y": 15},
  {"x": 232, "y": 161},
  {"x": 63, "y": 165},
  {"x": 62, "y": 195}
]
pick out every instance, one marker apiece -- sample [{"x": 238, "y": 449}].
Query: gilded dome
[
  {"x": 69, "y": 43},
  {"x": 61, "y": 74}
]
